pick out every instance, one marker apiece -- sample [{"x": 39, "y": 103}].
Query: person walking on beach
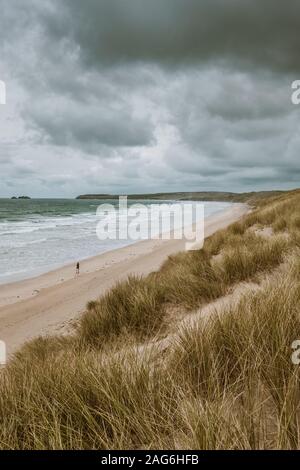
[{"x": 77, "y": 268}]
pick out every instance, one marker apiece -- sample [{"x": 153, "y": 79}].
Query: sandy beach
[{"x": 51, "y": 303}]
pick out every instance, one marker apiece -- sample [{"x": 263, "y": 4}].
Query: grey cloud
[
  {"x": 240, "y": 97},
  {"x": 89, "y": 126},
  {"x": 261, "y": 32}
]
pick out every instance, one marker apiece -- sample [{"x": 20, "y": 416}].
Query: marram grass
[{"x": 225, "y": 381}]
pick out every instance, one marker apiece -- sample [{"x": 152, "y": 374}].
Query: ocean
[{"x": 39, "y": 235}]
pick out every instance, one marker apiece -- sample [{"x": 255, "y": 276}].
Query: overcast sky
[{"x": 126, "y": 96}]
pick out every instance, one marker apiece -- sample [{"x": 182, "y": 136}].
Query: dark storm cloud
[
  {"x": 258, "y": 32},
  {"x": 240, "y": 97}
]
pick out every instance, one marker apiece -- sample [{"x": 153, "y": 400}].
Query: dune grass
[
  {"x": 224, "y": 381},
  {"x": 135, "y": 305},
  {"x": 242, "y": 358}
]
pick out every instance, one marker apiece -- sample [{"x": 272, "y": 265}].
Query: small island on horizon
[{"x": 21, "y": 197}]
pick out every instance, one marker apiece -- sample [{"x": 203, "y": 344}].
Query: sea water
[{"x": 38, "y": 235}]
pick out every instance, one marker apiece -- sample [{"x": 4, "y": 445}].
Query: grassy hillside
[
  {"x": 196, "y": 356},
  {"x": 195, "y": 196}
]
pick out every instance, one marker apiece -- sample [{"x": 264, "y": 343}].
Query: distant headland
[{"x": 217, "y": 196}]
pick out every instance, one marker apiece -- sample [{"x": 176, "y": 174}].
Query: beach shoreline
[{"x": 50, "y": 303}]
